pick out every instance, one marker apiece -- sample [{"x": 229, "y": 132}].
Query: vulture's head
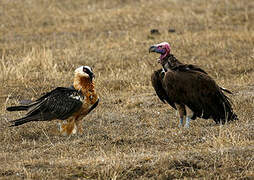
[
  {"x": 163, "y": 49},
  {"x": 85, "y": 71}
]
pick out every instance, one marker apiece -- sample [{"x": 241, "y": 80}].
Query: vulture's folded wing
[
  {"x": 160, "y": 91},
  {"x": 60, "y": 103}
]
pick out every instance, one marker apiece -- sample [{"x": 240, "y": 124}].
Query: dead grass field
[{"x": 131, "y": 134}]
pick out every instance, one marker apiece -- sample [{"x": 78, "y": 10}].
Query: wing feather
[
  {"x": 201, "y": 94},
  {"x": 160, "y": 91},
  {"x": 60, "y": 103}
]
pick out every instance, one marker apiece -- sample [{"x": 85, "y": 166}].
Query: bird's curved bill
[
  {"x": 92, "y": 76},
  {"x": 157, "y": 50},
  {"x": 152, "y": 49}
]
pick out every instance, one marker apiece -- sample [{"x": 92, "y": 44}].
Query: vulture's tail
[
  {"x": 230, "y": 116},
  {"x": 233, "y": 117},
  {"x": 17, "y": 108},
  {"x": 36, "y": 117},
  {"x": 23, "y": 120},
  {"x": 25, "y": 105},
  {"x": 226, "y": 90},
  {"x": 229, "y": 113},
  {"x": 41, "y": 116}
]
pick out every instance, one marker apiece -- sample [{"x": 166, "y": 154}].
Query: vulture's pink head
[{"x": 163, "y": 49}]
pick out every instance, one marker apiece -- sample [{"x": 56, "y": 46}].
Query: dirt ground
[{"x": 131, "y": 134}]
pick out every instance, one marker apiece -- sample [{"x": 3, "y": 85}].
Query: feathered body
[
  {"x": 188, "y": 87},
  {"x": 70, "y": 104}
]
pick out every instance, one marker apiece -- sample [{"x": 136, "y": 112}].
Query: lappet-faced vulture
[{"x": 189, "y": 89}]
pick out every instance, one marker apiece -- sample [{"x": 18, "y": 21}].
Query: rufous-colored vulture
[
  {"x": 68, "y": 105},
  {"x": 189, "y": 89}
]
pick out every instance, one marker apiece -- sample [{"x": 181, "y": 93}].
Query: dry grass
[{"x": 131, "y": 134}]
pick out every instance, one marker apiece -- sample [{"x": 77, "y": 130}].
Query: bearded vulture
[
  {"x": 189, "y": 89},
  {"x": 68, "y": 104}
]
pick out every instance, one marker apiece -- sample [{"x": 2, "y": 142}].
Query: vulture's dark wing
[
  {"x": 27, "y": 106},
  {"x": 60, "y": 103},
  {"x": 157, "y": 78},
  {"x": 213, "y": 103},
  {"x": 200, "y": 93},
  {"x": 188, "y": 67}
]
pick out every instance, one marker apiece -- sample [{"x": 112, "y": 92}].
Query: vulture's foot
[
  {"x": 180, "y": 123},
  {"x": 187, "y": 123},
  {"x": 67, "y": 128}
]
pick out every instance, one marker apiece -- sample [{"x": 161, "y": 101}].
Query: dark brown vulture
[
  {"x": 69, "y": 104},
  {"x": 189, "y": 89}
]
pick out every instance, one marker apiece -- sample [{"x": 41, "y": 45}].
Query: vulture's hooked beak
[
  {"x": 152, "y": 49},
  {"x": 157, "y": 49},
  {"x": 91, "y": 76}
]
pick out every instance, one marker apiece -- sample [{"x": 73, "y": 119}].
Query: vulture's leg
[
  {"x": 71, "y": 127},
  {"x": 59, "y": 123},
  {"x": 68, "y": 128},
  {"x": 189, "y": 114},
  {"x": 181, "y": 110},
  {"x": 62, "y": 127},
  {"x": 78, "y": 123}
]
